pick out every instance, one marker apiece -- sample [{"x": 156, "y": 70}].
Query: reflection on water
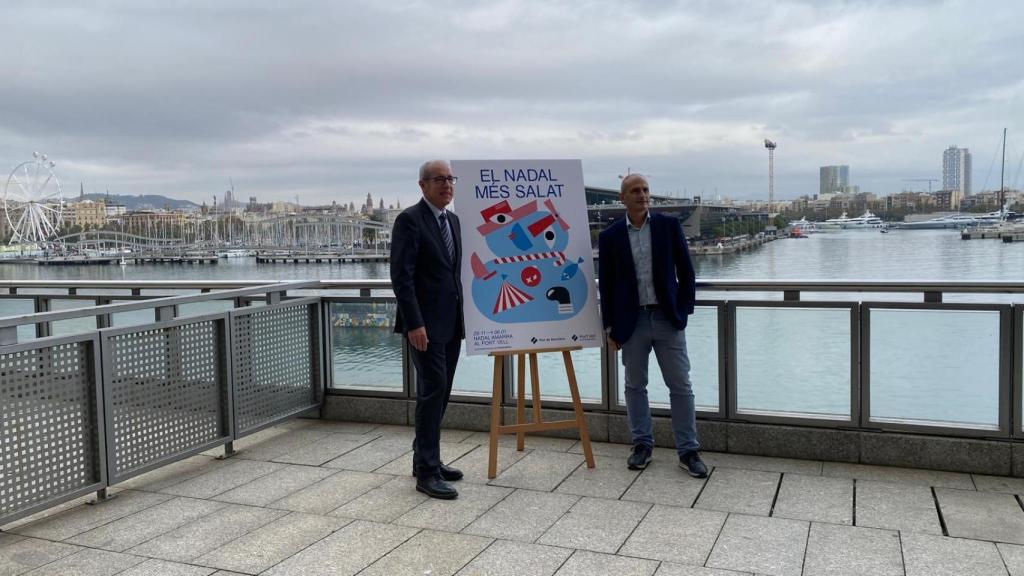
[
  {"x": 702, "y": 350},
  {"x": 935, "y": 365},
  {"x": 367, "y": 353},
  {"x": 793, "y": 359}
]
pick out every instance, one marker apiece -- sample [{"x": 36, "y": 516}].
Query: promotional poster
[{"x": 527, "y": 266}]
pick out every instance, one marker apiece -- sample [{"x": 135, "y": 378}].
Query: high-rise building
[
  {"x": 834, "y": 179},
  {"x": 956, "y": 169}
]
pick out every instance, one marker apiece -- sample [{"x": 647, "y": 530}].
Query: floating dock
[
  {"x": 730, "y": 245},
  {"x": 173, "y": 259},
  {"x": 74, "y": 260},
  {"x": 319, "y": 258}
]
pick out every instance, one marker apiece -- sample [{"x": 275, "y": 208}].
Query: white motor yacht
[{"x": 865, "y": 220}]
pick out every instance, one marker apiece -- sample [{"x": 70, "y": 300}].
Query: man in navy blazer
[
  {"x": 425, "y": 274},
  {"x": 648, "y": 288}
]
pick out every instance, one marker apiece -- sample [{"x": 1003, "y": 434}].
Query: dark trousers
[{"x": 435, "y": 371}]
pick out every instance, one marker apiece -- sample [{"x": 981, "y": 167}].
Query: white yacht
[
  {"x": 961, "y": 220},
  {"x": 865, "y": 220},
  {"x": 949, "y": 221},
  {"x": 804, "y": 226},
  {"x": 835, "y": 223}
]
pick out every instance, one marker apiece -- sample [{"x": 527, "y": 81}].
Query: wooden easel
[{"x": 521, "y": 427}]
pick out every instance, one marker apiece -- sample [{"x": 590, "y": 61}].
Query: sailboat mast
[{"x": 1002, "y": 187}]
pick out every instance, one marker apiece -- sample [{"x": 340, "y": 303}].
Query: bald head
[
  {"x": 631, "y": 180},
  {"x": 635, "y": 195}
]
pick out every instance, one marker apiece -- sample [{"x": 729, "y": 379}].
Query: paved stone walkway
[{"x": 317, "y": 497}]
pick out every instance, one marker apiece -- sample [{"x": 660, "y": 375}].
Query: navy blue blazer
[
  {"x": 674, "y": 279},
  {"x": 427, "y": 285}
]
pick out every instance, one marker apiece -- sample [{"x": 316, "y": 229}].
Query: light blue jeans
[{"x": 653, "y": 330}]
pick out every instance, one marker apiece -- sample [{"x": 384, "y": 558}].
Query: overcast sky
[{"x": 331, "y": 100}]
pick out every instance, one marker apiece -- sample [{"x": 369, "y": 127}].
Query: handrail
[
  {"x": 257, "y": 287},
  {"x": 747, "y": 285},
  {"x": 993, "y": 286},
  {"x": 143, "y": 284},
  {"x": 160, "y": 302}
]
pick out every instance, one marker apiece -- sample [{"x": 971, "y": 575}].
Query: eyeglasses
[{"x": 443, "y": 179}]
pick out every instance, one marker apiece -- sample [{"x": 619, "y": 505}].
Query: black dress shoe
[
  {"x": 436, "y": 488},
  {"x": 448, "y": 473}
]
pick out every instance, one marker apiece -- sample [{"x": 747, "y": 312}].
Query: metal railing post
[
  {"x": 165, "y": 313},
  {"x": 42, "y": 304}
]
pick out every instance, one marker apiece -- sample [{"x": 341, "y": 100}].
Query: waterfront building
[
  {"x": 153, "y": 223},
  {"x": 857, "y": 202},
  {"x": 284, "y": 207},
  {"x": 114, "y": 210},
  {"x": 948, "y": 199},
  {"x": 956, "y": 170},
  {"x": 909, "y": 202},
  {"x": 5, "y": 229},
  {"x": 833, "y": 179},
  {"x": 85, "y": 214},
  {"x": 989, "y": 200}
]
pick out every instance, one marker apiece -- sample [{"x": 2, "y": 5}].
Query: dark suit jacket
[
  {"x": 428, "y": 287},
  {"x": 674, "y": 279}
]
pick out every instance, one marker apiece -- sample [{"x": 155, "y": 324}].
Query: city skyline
[{"x": 343, "y": 100}]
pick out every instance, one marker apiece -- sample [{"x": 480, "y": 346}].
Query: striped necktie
[{"x": 446, "y": 235}]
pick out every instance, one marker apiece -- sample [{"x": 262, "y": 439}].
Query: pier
[
  {"x": 320, "y": 258},
  {"x": 981, "y": 234},
  {"x": 172, "y": 258},
  {"x": 77, "y": 260},
  {"x": 731, "y": 245}
]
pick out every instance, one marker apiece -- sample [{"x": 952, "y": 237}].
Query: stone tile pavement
[{"x": 314, "y": 497}]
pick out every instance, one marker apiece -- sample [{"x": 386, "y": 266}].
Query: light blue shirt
[{"x": 640, "y": 246}]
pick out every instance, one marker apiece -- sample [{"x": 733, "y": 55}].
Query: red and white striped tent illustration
[{"x": 509, "y": 296}]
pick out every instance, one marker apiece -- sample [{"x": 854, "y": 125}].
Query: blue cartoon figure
[{"x": 528, "y": 277}]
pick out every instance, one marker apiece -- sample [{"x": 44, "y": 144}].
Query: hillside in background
[{"x": 141, "y": 201}]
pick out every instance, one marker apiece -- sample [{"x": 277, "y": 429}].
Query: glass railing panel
[
  {"x": 366, "y": 353},
  {"x": 701, "y": 349},
  {"x": 18, "y": 307},
  {"x": 793, "y": 360},
  {"x": 72, "y": 325},
  {"x": 554, "y": 384},
  {"x": 474, "y": 374},
  {"x": 935, "y": 366}
]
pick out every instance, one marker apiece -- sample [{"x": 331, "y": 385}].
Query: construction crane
[{"x": 928, "y": 180}]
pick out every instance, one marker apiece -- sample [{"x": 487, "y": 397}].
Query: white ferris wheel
[{"x": 33, "y": 201}]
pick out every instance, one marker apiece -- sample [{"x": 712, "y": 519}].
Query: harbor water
[{"x": 926, "y": 365}]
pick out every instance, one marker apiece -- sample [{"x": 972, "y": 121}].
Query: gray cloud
[{"x": 333, "y": 100}]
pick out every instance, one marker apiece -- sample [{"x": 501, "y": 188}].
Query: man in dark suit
[
  {"x": 425, "y": 253},
  {"x": 648, "y": 289}
]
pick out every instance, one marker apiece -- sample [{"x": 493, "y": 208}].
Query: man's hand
[
  {"x": 613, "y": 344},
  {"x": 418, "y": 338}
]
